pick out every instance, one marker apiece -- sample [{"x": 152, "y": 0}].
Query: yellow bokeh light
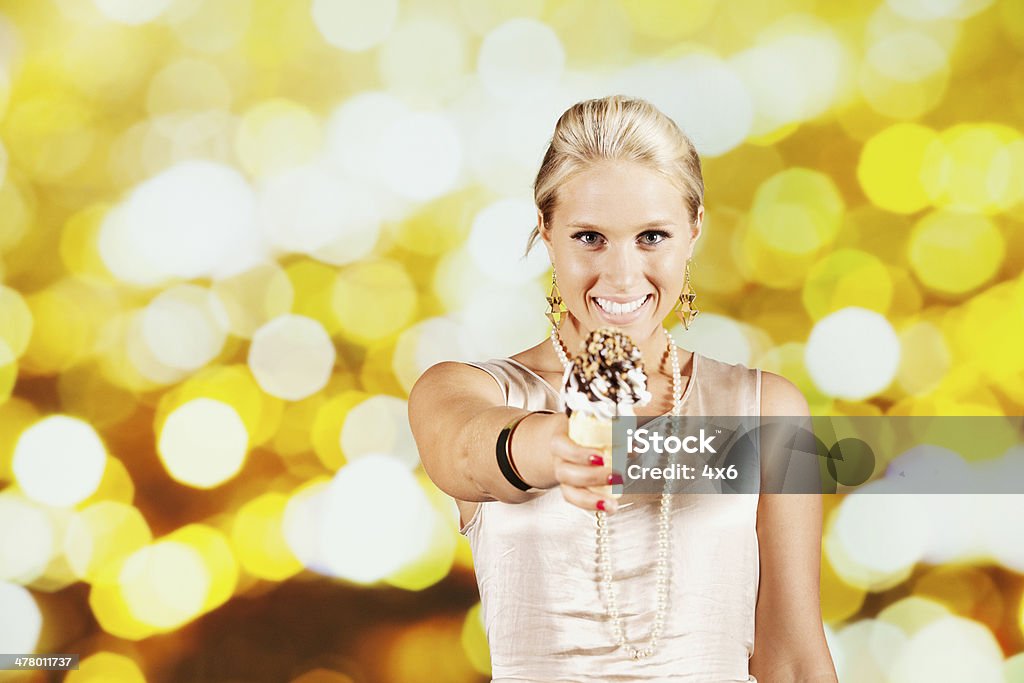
[
  {"x": 913, "y": 613},
  {"x": 760, "y": 262},
  {"x": 17, "y": 212},
  {"x": 321, "y": 675},
  {"x": 952, "y": 253},
  {"x": 434, "y": 564},
  {"x": 716, "y": 245},
  {"x": 891, "y": 166},
  {"x": 51, "y": 135},
  {"x": 797, "y": 211},
  {"x": 847, "y": 277},
  {"x": 839, "y": 600},
  {"x": 210, "y": 27},
  {"x": 103, "y": 534},
  {"x": 254, "y": 297},
  {"x": 116, "y": 344},
  {"x": 64, "y": 332},
  {"x": 311, "y": 282},
  {"x": 276, "y": 134},
  {"x": 183, "y": 327},
  {"x": 968, "y": 591},
  {"x": 26, "y": 527},
  {"x": 23, "y": 618},
  {"x": 413, "y": 655},
  {"x": 104, "y": 667},
  {"x": 187, "y": 84},
  {"x": 788, "y": 360},
  {"x": 59, "y": 460},
  {"x": 905, "y": 73},
  {"x": 292, "y": 436},
  {"x": 951, "y": 647},
  {"x": 861, "y": 556},
  {"x": 1013, "y": 668},
  {"x": 438, "y": 228},
  {"x": 379, "y": 424},
  {"x": 987, "y": 334},
  {"x": 976, "y": 167},
  {"x": 327, "y": 427},
  {"x": 232, "y": 385},
  {"x": 132, "y": 13},
  {"x": 8, "y": 371},
  {"x": 18, "y": 321},
  {"x": 218, "y": 558},
  {"x": 443, "y": 551},
  {"x": 925, "y": 358},
  {"x": 301, "y": 521},
  {"x": 907, "y": 299},
  {"x": 474, "y": 640},
  {"x": 668, "y": 20},
  {"x": 16, "y": 415},
  {"x": 78, "y": 241},
  {"x": 110, "y": 606},
  {"x": 258, "y": 538},
  {"x": 394, "y": 537},
  {"x": 165, "y": 585},
  {"x": 354, "y": 26},
  {"x": 373, "y": 300},
  {"x": 292, "y": 357},
  {"x": 203, "y": 443},
  {"x": 1020, "y": 615}
]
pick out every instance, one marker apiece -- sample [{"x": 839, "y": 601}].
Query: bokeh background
[{"x": 233, "y": 233}]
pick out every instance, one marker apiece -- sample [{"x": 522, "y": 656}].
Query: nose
[{"x": 623, "y": 268}]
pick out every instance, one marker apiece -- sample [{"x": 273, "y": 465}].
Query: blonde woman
[{"x": 620, "y": 200}]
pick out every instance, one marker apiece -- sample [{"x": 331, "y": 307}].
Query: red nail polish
[
  {"x": 614, "y": 478},
  {"x": 600, "y": 505},
  {"x": 596, "y": 460}
]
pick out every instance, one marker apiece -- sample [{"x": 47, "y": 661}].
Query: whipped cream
[{"x": 607, "y": 379}]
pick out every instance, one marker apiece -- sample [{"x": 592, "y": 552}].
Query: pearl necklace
[{"x": 664, "y": 523}]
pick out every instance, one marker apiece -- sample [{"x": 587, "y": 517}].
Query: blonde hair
[{"x": 616, "y": 128}]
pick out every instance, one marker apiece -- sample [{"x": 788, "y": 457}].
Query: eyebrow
[{"x": 658, "y": 223}]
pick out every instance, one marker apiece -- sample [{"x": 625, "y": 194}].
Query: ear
[
  {"x": 545, "y": 234},
  {"x": 696, "y": 230}
]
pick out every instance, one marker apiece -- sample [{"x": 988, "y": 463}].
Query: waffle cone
[{"x": 596, "y": 433}]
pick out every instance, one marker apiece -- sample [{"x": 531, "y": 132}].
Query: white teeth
[{"x": 619, "y": 309}]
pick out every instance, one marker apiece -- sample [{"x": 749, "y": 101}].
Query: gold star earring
[
  {"x": 685, "y": 308},
  {"x": 556, "y": 307}
]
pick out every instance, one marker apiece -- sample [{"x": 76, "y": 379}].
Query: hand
[{"x": 577, "y": 468}]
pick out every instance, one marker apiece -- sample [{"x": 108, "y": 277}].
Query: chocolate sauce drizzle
[{"x": 608, "y": 367}]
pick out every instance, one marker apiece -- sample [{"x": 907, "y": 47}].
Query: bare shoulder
[
  {"x": 453, "y": 380},
  {"x": 779, "y": 396}
]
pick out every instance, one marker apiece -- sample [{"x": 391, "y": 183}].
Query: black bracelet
[{"x": 503, "y": 451}]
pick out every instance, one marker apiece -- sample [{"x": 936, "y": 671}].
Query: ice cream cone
[
  {"x": 595, "y": 432},
  {"x": 606, "y": 379}
]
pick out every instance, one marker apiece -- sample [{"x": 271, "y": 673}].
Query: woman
[{"x": 620, "y": 207}]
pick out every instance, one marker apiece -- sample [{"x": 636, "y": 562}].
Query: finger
[
  {"x": 584, "y": 476},
  {"x": 565, "y": 448},
  {"x": 588, "y": 500}
]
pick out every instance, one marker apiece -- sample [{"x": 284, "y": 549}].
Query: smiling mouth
[{"x": 617, "y": 309}]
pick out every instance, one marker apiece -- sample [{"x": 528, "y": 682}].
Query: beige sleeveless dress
[{"x": 535, "y": 565}]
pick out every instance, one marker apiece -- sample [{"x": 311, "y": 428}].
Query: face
[{"x": 619, "y": 239}]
